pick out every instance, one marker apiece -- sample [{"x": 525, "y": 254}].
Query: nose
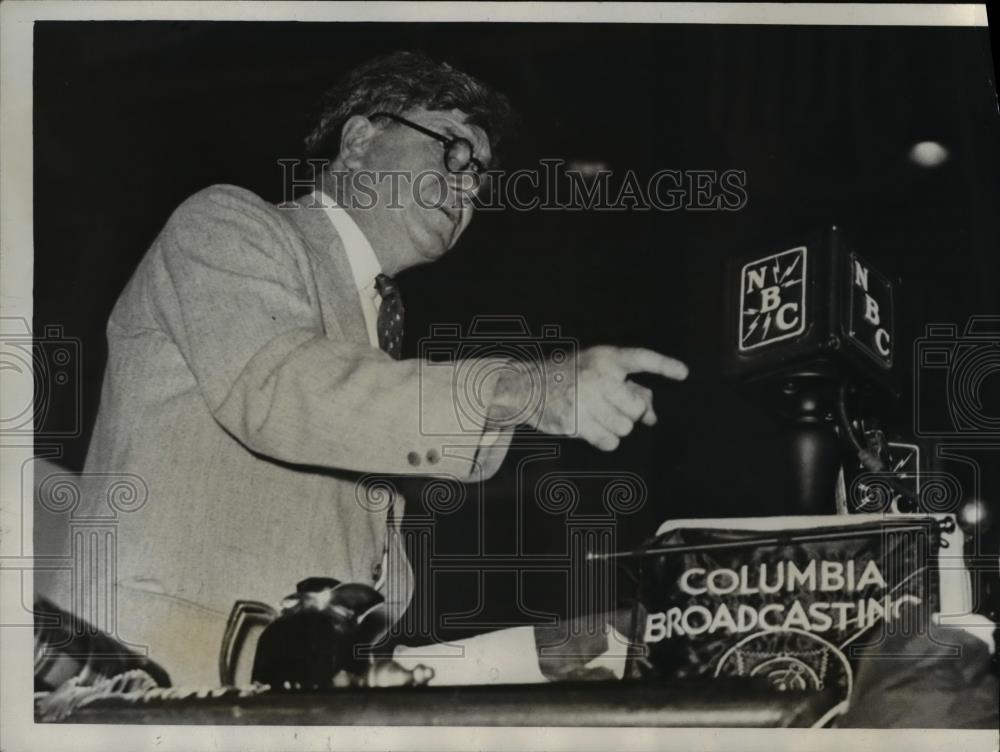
[
  {"x": 466, "y": 184},
  {"x": 462, "y": 189}
]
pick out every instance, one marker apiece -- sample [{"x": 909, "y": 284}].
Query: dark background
[{"x": 131, "y": 118}]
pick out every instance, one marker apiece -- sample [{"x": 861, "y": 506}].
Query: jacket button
[
  {"x": 433, "y": 456},
  {"x": 413, "y": 458}
]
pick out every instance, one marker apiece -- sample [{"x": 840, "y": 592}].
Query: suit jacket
[{"x": 243, "y": 400}]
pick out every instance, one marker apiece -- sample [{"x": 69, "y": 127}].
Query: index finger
[{"x": 641, "y": 360}]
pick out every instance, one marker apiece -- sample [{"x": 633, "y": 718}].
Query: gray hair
[{"x": 399, "y": 82}]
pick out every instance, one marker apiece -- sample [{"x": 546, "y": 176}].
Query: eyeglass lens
[{"x": 458, "y": 156}]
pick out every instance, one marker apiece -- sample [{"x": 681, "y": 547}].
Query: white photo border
[{"x": 17, "y": 728}]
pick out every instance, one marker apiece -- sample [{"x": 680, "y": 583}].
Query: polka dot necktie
[{"x": 390, "y": 316}]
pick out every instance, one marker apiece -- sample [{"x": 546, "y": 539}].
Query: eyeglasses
[{"x": 457, "y": 150}]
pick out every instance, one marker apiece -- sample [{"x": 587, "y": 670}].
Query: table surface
[{"x": 718, "y": 703}]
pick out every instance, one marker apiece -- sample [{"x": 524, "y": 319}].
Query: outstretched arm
[{"x": 232, "y": 290}]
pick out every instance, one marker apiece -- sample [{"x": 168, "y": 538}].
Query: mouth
[{"x": 454, "y": 216}]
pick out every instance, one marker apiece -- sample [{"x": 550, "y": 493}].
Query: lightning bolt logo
[{"x": 760, "y": 324}]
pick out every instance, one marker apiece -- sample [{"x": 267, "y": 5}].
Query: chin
[
  {"x": 433, "y": 243},
  {"x": 424, "y": 249},
  {"x": 433, "y": 253}
]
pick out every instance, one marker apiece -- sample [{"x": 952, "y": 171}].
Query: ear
[{"x": 355, "y": 138}]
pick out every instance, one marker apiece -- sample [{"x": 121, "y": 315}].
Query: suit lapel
[{"x": 339, "y": 300}]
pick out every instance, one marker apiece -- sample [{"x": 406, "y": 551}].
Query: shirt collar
[{"x": 361, "y": 256}]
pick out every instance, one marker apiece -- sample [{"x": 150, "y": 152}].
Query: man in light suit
[{"x": 253, "y": 384}]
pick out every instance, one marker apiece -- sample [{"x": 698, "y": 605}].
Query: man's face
[{"x": 422, "y": 212}]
